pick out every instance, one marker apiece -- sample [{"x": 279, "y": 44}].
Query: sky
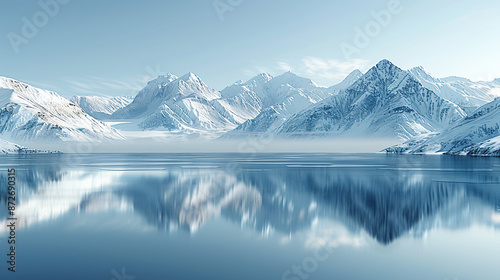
[{"x": 112, "y": 48}]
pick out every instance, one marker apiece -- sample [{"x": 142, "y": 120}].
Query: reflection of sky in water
[{"x": 379, "y": 216}]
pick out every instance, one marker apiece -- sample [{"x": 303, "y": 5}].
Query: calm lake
[{"x": 266, "y": 216}]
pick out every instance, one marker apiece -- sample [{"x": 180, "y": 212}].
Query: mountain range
[
  {"x": 384, "y": 102},
  {"x": 449, "y": 115}
]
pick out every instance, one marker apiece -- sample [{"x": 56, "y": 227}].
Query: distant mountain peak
[
  {"x": 421, "y": 69},
  {"x": 355, "y": 72},
  {"x": 353, "y": 76},
  {"x": 262, "y": 77},
  {"x": 163, "y": 79},
  {"x": 293, "y": 80},
  {"x": 422, "y": 74},
  {"x": 348, "y": 81},
  {"x": 384, "y": 63},
  {"x": 190, "y": 77}
]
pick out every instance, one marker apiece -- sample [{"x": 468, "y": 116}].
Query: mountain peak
[
  {"x": 384, "y": 63},
  {"x": 289, "y": 75},
  {"x": 293, "y": 80},
  {"x": 262, "y": 77},
  {"x": 421, "y": 73},
  {"x": 353, "y": 76},
  {"x": 348, "y": 81},
  {"x": 420, "y": 69},
  {"x": 190, "y": 76},
  {"x": 385, "y": 70},
  {"x": 164, "y": 79}
]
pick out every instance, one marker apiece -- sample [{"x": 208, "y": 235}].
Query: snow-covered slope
[
  {"x": 284, "y": 96},
  {"x": 178, "y": 104},
  {"x": 29, "y": 113},
  {"x": 7, "y": 147},
  {"x": 101, "y": 107},
  {"x": 245, "y": 101},
  {"x": 148, "y": 94},
  {"x": 478, "y": 134},
  {"x": 465, "y": 93},
  {"x": 384, "y": 102}
]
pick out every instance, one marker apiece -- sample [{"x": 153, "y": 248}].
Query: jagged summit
[
  {"x": 349, "y": 80},
  {"x": 190, "y": 76},
  {"x": 261, "y": 78},
  {"x": 384, "y": 63},
  {"x": 164, "y": 79}
]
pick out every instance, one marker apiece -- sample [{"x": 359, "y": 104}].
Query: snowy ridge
[
  {"x": 477, "y": 134},
  {"x": 29, "y": 113},
  {"x": 348, "y": 81},
  {"x": 101, "y": 107},
  {"x": 287, "y": 95},
  {"x": 384, "y": 102},
  {"x": 461, "y": 91},
  {"x": 178, "y": 104}
]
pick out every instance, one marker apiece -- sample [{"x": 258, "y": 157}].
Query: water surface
[{"x": 269, "y": 216}]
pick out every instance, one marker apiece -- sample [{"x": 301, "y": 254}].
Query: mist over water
[{"x": 200, "y": 145}]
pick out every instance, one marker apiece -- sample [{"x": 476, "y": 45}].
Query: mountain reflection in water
[{"x": 382, "y": 195}]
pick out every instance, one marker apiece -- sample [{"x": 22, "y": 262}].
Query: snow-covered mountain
[
  {"x": 29, "y": 113},
  {"x": 245, "y": 101},
  {"x": 478, "y": 134},
  {"x": 101, "y": 107},
  {"x": 178, "y": 104},
  {"x": 187, "y": 104},
  {"x": 465, "y": 93},
  {"x": 384, "y": 102},
  {"x": 282, "y": 97}
]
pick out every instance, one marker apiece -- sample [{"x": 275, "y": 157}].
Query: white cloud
[
  {"x": 103, "y": 86},
  {"x": 284, "y": 66},
  {"x": 331, "y": 69}
]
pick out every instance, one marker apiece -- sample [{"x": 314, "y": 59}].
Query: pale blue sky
[{"x": 113, "y": 47}]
